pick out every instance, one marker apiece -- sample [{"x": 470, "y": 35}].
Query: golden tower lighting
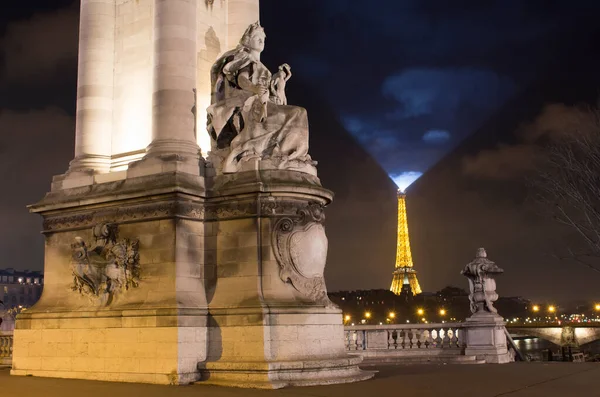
[{"x": 404, "y": 274}]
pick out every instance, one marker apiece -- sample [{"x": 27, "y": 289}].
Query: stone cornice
[{"x": 261, "y": 204}]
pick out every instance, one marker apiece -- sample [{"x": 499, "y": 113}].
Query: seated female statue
[{"x": 248, "y": 118}]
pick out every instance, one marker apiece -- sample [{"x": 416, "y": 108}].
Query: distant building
[{"x": 20, "y": 288}]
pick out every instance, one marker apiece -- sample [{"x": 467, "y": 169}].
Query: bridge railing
[
  {"x": 6, "y": 346},
  {"x": 377, "y": 342}
]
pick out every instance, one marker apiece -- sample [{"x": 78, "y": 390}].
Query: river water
[{"x": 535, "y": 347}]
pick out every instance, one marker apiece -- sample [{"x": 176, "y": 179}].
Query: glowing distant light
[
  {"x": 597, "y": 307},
  {"x": 392, "y": 315},
  {"x": 368, "y": 315},
  {"x": 536, "y": 308},
  {"x": 442, "y": 312},
  {"x": 405, "y": 179},
  {"x": 551, "y": 309},
  {"x": 420, "y": 312},
  {"x": 347, "y": 318}
]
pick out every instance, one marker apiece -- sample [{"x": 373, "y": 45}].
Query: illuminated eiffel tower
[{"x": 405, "y": 277}]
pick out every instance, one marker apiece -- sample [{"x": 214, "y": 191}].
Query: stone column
[
  {"x": 175, "y": 65},
  {"x": 240, "y": 14},
  {"x": 95, "y": 86}
]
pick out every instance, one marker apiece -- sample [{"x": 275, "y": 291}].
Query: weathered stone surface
[{"x": 249, "y": 120}]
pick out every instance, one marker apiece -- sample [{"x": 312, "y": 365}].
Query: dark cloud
[
  {"x": 555, "y": 122},
  {"x": 36, "y": 48},
  {"x": 34, "y": 146},
  {"x": 441, "y": 93},
  {"x": 436, "y": 136}
]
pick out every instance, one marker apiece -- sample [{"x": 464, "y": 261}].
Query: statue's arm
[{"x": 246, "y": 84}]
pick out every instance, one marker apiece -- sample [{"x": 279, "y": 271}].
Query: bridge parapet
[
  {"x": 441, "y": 342},
  {"x": 563, "y": 336}
]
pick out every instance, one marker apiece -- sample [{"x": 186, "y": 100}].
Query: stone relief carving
[
  {"x": 249, "y": 119},
  {"x": 480, "y": 273},
  {"x": 567, "y": 337},
  {"x": 108, "y": 268},
  {"x": 300, "y": 246}
]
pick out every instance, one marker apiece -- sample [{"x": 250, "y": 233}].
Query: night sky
[{"x": 459, "y": 92}]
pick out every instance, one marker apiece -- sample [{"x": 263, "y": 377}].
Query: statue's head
[{"x": 254, "y": 37}]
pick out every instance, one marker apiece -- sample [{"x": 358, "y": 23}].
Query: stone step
[{"x": 442, "y": 359}]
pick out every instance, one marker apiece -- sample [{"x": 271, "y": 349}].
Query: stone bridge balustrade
[
  {"x": 404, "y": 336},
  {"x": 412, "y": 342},
  {"x": 6, "y": 343}
]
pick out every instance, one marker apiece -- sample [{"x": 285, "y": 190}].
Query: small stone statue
[
  {"x": 278, "y": 83},
  {"x": 480, "y": 273}
]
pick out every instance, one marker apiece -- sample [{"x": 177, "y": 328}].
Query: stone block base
[
  {"x": 116, "y": 348},
  {"x": 276, "y": 375},
  {"x": 486, "y": 338}
]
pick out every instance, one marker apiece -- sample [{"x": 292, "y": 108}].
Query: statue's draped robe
[{"x": 283, "y": 133}]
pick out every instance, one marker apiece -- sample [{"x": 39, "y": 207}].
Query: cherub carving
[{"x": 278, "y": 82}]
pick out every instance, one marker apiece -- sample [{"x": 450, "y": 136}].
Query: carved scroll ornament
[{"x": 300, "y": 246}]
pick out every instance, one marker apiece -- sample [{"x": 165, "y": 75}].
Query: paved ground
[{"x": 512, "y": 380}]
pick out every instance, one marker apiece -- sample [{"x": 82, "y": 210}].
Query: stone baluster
[
  {"x": 175, "y": 73},
  {"x": 439, "y": 340},
  {"x": 404, "y": 338},
  {"x": 93, "y": 124},
  {"x": 445, "y": 339},
  {"x": 425, "y": 339},
  {"x": 436, "y": 338},
  {"x": 6, "y": 346},
  {"x": 414, "y": 339},
  {"x": 454, "y": 341},
  {"x": 354, "y": 340},
  {"x": 393, "y": 339}
]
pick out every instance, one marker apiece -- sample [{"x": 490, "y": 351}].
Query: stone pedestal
[
  {"x": 485, "y": 338},
  {"x": 175, "y": 278},
  {"x": 271, "y": 324},
  {"x": 151, "y": 326}
]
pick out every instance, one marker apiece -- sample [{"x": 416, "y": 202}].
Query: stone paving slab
[{"x": 512, "y": 380}]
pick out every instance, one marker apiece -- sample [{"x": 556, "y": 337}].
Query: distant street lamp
[
  {"x": 367, "y": 315},
  {"x": 347, "y": 318},
  {"x": 551, "y": 309},
  {"x": 392, "y": 315},
  {"x": 442, "y": 312},
  {"x": 597, "y": 307},
  {"x": 536, "y": 308},
  {"x": 420, "y": 312}
]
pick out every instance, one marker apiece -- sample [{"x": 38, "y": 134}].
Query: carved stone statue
[
  {"x": 106, "y": 269},
  {"x": 481, "y": 274},
  {"x": 249, "y": 118},
  {"x": 278, "y": 83}
]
